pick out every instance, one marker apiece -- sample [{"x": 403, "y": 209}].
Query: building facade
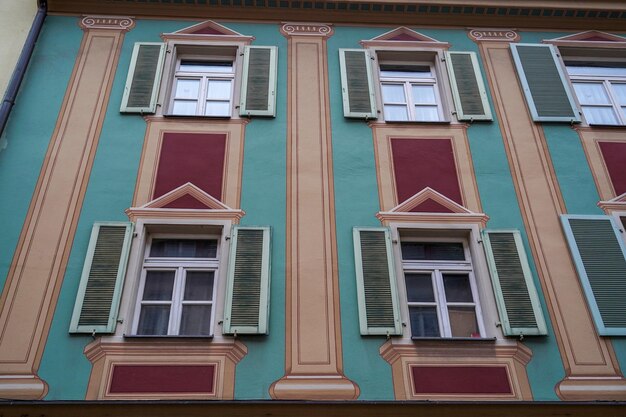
[{"x": 292, "y": 200}]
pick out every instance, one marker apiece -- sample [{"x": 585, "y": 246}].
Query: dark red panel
[
  {"x": 460, "y": 380},
  {"x": 597, "y": 39},
  {"x": 188, "y": 202},
  {"x": 207, "y": 31},
  {"x": 191, "y": 157},
  {"x": 614, "y": 154},
  {"x": 144, "y": 379},
  {"x": 421, "y": 163},
  {"x": 403, "y": 37},
  {"x": 430, "y": 206}
]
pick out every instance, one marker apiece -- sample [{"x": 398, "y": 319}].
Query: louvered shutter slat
[
  {"x": 356, "y": 84},
  {"x": 376, "y": 285},
  {"x": 468, "y": 89},
  {"x": 545, "y": 86},
  {"x": 516, "y": 295},
  {"x": 247, "y": 298},
  {"x": 101, "y": 283},
  {"x": 258, "y": 96},
  {"x": 600, "y": 257},
  {"x": 144, "y": 77}
]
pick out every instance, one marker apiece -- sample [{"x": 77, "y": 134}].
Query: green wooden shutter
[
  {"x": 600, "y": 257},
  {"x": 516, "y": 295},
  {"x": 379, "y": 312},
  {"x": 258, "y": 89},
  {"x": 102, "y": 279},
  {"x": 356, "y": 84},
  {"x": 545, "y": 85},
  {"x": 468, "y": 89},
  {"x": 248, "y": 286},
  {"x": 144, "y": 77}
]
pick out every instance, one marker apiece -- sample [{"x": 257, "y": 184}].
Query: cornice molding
[{"x": 557, "y": 14}]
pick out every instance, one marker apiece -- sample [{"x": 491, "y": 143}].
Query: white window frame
[
  {"x": 437, "y": 269},
  {"x": 181, "y": 266},
  {"x": 487, "y": 315},
  {"x": 183, "y": 50},
  {"x": 606, "y": 81},
  {"x": 432, "y": 57},
  {"x": 144, "y": 228},
  {"x": 204, "y": 78}
]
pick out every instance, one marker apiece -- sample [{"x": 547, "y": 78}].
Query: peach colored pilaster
[
  {"x": 38, "y": 266},
  {"x": 314, "y": 368},
  {"x": 592, "y": 371}
]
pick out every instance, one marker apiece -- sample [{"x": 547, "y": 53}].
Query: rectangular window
[
  {"x": 410, "y": 92},
  {"x": 601, "y": 91},
  {"x": 177, "y": 288},
  {"x": 203, "y": 88},
  {"x": 441, "y": 290}
]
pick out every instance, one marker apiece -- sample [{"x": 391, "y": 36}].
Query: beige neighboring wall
[{"x": 16, "y": 17}]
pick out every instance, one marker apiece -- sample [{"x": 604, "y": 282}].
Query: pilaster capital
[{"x": 123, "y": 23}]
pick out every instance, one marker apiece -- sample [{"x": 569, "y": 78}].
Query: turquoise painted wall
[
  {"x": 573, "y": 173},
  {"x": 113, "y": 176}
]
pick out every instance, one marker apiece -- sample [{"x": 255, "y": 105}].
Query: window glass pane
[
  {"x": 185, "y": 108},
  {"x": 620, "y": 92},
  {"x": 219, "y": 90},
  {"x": 423, "y": 94},
  {"x": 187, "y": 89},
  {"x": 457, "y": 288},
  {"x": 419, "y": 288},
  {"x": 600, "y": 115},
  {"x": 393, "y": 93},
  {"x": 183, "y": 248},
  {"x": 199, "y": 285},
  {"x": 405, "y": 71},
  {"x": 426, "y": 114},
  {"x": 153, "y": 320},
  {"x": 396, "y": 113},
  {"x": 591, "y": 93},
  {"x": 573, "y": 69},
  {"x": 463, "y": 322},
  {"x": 424, "y": 322},
  {"x": 433, "y": 251},
  {"x": 159, "y": 285},
  {"x": 195, "y": 320},
  {"x": 217, "y": 108},
  {"x": 206, "y": 66}
]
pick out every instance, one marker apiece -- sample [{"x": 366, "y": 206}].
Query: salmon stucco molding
[
  {"x": 313, "y": 351},
  {"x": 592, "y": 370},
  {"x": 38, "y": 266}
]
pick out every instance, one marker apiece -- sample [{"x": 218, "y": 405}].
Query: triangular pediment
[
  {"x": 187, "y": 196},
  {"x": 208, "y": 27},
  {"x": 591, "y": 37},
  {"x": 429, "y": 206},
  {"x": 615, "y": 204},
  {"x": 429, "y": 201},
  {"x": 208, "y": 30},
  {"x": 404, "y": 37},
  {"x": 185, "y": 202}
]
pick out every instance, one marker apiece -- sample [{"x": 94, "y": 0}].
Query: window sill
[
  {"x": 165, "y": 337},
  {"x": 196, "y": 116},
  {"x": 454, "y": 339}
]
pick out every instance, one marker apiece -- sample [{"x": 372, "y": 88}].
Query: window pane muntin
[
  {"x": 420, "y": 288},
  {"x": 610, "y": 76},
  {"x": 183, "y": 248},
  {"x": 439, "y": 269},
  {"x": 158, "y": 285},
  {"x": 457, "y": 288},
  {"x": 154, "y": 320},
  {"x": 619, "y": 90},
  {"x": 433, "y": 250},
  {"x": 463, "y": 322},
  {"x": 205, "y": 66},
  {"x": 217, "y": 108},
  {"x": 204, "y": 69},
  {"x": 424, "y": 321},
  {"x": 194, "y": 290},
  {"x": 219, "y": 89},
  {"x": 394, "y": 73},
  {"x": 187, "y": 88},
  {"x": 591, "y": 93},
  {"x": 393, "y": 93},
  {"x": 181, "y": 266},
  {"x": 423, "y": 94}
]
